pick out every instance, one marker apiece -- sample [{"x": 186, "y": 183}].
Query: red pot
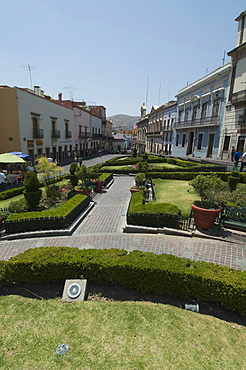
[
  {"x": 99, "y": 186},
  {"x": 204, "y": 218}
]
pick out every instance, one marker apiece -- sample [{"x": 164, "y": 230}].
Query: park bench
[{"x": 234, "y": 218}]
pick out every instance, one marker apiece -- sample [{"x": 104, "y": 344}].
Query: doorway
[
  {"x": 190, "y": 143},
  {"x": 210, "y": 146}
]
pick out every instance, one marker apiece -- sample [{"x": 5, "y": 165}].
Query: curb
[{"x": 45, "y": 233}]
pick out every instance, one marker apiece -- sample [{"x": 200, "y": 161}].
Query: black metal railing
[
  {"x": 84, "y": 134},
  {"x": 239, "y": 97},
  {"x": 37, "y": 133},
  {"x": 242, "y": 119},
  {"x": 68, "y": 134},
  {"x": 55, "y": 134},
  {"x": 208, "y": 121}
]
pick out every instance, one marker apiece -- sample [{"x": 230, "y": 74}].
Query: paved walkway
[{"x": 103, "y": 226}]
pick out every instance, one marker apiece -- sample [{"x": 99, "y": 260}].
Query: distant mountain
[{"x": 123, "y": 120}]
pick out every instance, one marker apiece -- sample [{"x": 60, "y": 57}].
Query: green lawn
[
  {"x": 152, "y": 165},
  {"x": 115, "y": 335},
  {"x": 176, "y": 192}
]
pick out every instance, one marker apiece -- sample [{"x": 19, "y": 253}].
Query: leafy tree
[{"x": 48, "y": 170}]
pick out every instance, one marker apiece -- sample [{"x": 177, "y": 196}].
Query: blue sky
[{"x": 108, "y": 51}]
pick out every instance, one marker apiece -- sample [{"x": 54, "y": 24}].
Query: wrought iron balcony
[
  {"x": 68, "y": 134},
  {"x": 153, "y": 133},
  {"x": 239, "y": 98},
  {"x": 208, "y": 121},
  {"x": 242, "y": 119},
  {"x": 37, "y": 133},
  {"x": 55, "y": 134},
  {"x": 84, "y": 135},
  {"x": 97, "y": 135}
]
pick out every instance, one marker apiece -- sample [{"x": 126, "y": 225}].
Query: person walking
[
  {"x": 232, "y": 153},
  {"x": 243, "y": 163},
  {"x": 236, "y": 157},
  {"x": 80, "y": 161}
]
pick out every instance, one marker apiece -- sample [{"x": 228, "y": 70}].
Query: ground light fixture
[{"x": 74, "y": 290}]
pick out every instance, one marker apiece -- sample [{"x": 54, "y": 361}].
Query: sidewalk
[{"x": 103, "y": 228}]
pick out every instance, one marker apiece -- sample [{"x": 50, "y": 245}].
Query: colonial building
[
  {"x": 32, "y": 123},
  {"x": 154, "y": 138},
  {"x": 234, "y": 129},
  {"x": 200, "y": 114},
  {"x": 170, "y": 111},
  {"x": 142, "y": 125}
]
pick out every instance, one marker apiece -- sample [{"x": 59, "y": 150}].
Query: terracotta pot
[
  {"x": 2, "y": 218},
  {"x": 99, "y": 186},
  {"x": 83, "y": 191},
  {"x": 134, "y": 190},
  {"x": 204, "y": 218}
]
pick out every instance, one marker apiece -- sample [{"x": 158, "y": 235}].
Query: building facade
[
  {"x": 234, "y": 129},
  {"x": 200, "y": 115},
  {"x": 32, "y": 123}
]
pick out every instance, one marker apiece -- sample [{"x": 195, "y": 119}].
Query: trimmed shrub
[
  {"x": 73, "y": 168},
  {"x": 143, "y": 271},
  {"x": 31, "y": 181}
]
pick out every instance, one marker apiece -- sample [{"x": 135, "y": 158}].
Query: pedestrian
[
  {"x": 68, "y": 155},
  {"x": 2, "y": 180},
  {"x": 50, "y": 159},
  {"x": 80, "y": 161},
  {"x": 232, "y": 153},
  {"x": 243, "y": 163},
  {"x": 236, "y": 157}
]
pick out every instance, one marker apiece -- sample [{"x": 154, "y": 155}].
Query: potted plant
[
  {"x": 140, "y": 178},
  {"x": 210, "y": 188},
  {"x": 94, "y": 173}
]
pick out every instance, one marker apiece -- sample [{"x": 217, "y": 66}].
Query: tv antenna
[
  {"x": 159, "y": 95},
  {"x": 70, "y": 91},
  {"x": 29, "y": 68},
  {"x": 223, "y": 59},
  {"x": 147, "y": 91}
]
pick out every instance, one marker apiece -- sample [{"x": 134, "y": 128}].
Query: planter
[
  {"x": 83, "y": 191},
  {"x": 2, "y": 218},
  {"x": 204, "y": 218},
  {"x": 99, "y": 185}
]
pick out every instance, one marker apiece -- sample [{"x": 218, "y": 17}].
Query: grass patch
[
  {"x": 177, "y": 192},
  {"x": 115, "y": 335}
]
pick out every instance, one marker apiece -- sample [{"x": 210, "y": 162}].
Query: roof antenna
[
  {"x": 159, "y": 94},
  {"x": 147, "y": 91},
  {"x": 29, "y": 69},
  {"x": 223, "y": 59}
]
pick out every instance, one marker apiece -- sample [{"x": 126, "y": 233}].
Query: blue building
[{"x": 200, "y": 114}]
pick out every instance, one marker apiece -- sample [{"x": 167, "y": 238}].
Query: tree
[{"x": 48, "y": 170}]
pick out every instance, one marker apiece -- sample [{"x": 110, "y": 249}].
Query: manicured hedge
[
  {"x": 49, "y": 219},
  {"x": 144, "y": 271}
]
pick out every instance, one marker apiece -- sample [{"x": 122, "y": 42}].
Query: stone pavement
[{"x": 103, "y": 228}]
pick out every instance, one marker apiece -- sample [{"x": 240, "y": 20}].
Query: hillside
[{"x": 124, "y": 120}]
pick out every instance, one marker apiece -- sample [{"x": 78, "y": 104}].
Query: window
[
  {"x": 226, "y": 143},
  {"x": 194, "y": 113},
  {"x": 177, "y": 140},
  {"x": 204, "y": 110},
  {"x": 240, "y": 144},
  {"x": 199, "y": 143},
  {"x": 183, "y": 140},
  {"x": 180, "y": 115},
  {"x": 216, "y": 106},
  {"x": 186, "y": 114}
]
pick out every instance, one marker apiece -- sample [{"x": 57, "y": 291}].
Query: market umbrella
[
  {"x": 10, "y": 158},
  {"x": 21, "y": 155}
]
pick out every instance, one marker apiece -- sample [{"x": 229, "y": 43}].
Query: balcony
[
  {"x": 208, "y": 121},
  {"x": 37, "y": 133},
  {"x": 153, "y": 133},
  {"x": 239, "y": 98},
  {"x": 242, "y": 119},
  {"x": 55, "y": 134},
  {"x": 84, "y": 135},
  {"x": 97, "y": 135},
  {"x": 68, "y": 134}
]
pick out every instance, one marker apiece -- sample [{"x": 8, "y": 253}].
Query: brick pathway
[{"x": 102, "y": 228}]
